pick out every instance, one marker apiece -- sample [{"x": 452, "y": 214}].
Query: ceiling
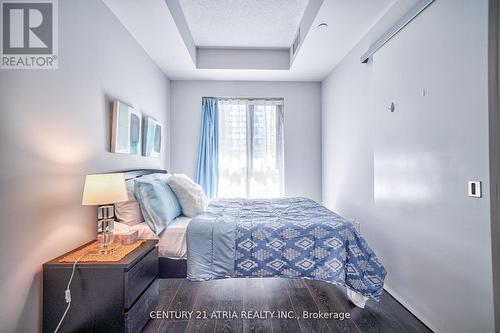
[
  {"x": 151, "y": 23},
  {"x": 253, "y": 23}
]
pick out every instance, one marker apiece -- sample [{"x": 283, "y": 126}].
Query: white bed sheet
[{"x": 171, "y": 242}]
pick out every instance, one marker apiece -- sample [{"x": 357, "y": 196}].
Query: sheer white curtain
[{"x": 251, "y": 148}]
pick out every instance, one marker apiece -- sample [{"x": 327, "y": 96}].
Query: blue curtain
[{"x": 207, "y": 171}]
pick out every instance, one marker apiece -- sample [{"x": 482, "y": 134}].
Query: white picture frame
[
  {"x": 153, "y": 134},
  {"x": 126, "y": 129}
]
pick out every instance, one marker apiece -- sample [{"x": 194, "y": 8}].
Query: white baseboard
[{"x": 410, "y": 308}]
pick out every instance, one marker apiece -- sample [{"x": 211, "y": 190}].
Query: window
[{"x": 251, "y": 148}]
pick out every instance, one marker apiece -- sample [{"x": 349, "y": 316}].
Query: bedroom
[{"x": 404, "y": 148}]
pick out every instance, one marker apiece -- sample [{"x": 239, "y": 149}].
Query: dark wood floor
[{"x": 274, "y": 294}]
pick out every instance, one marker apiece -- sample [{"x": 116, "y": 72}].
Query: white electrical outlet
[{"x": 475, "y": 189}]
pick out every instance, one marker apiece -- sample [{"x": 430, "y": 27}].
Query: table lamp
[{"x": 103, "y": 190}]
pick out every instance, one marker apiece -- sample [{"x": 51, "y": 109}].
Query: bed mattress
[{"x": 171, "y": 242}]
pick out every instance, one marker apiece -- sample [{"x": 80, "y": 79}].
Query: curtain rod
[
  {"x": 397, "y": 27},
  {"x": 249, "y": 98}
]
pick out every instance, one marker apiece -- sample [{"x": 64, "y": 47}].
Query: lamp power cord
[{"x": 67, "y": 293}]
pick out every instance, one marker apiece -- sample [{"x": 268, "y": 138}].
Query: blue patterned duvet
[{"x": 287, "y": 237}]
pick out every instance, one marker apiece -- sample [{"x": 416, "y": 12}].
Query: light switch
[{"x": 475, "y": 189}]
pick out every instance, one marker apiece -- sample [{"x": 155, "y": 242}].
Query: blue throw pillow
[{"x": 158, "y": 202}]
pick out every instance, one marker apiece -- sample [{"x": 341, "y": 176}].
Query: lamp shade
[{"x": 103, "y": 189}]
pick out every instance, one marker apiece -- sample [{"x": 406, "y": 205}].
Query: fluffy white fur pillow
[{"x": 191, "y": 196}]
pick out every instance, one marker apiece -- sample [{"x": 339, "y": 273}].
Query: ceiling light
[{"x": 322, "y": 25}]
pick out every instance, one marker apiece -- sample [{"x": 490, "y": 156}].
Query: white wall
[
  {"x": 404, "y": 175},
  {"x": 302, "y": 126},
  {"x": 54, "y": 130}
]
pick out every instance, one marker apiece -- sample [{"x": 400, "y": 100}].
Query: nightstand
[{"x": 105, "y": 296}]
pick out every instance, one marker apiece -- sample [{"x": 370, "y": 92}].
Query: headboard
[{"x": 134, "y": 173}]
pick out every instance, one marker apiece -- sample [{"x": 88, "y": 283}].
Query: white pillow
[
  {"x": 129, "y": 212},
  {"x": 191, "y": 196},
  {"x": 156, "y": 176}
]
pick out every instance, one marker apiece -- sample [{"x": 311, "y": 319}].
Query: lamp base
[
  {"x": 105, "y": 230},
  {"x": 102, "y": 251},
  {"x": 104, "y": 238}
]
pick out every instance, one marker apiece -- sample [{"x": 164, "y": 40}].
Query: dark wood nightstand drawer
[
  {"x": 138, "y": 315},
  {"x": 140, "y": 276},
  {"x": 106, "y": 296}
]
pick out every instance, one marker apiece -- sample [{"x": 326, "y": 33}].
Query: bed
[
  {"x": 285, "y": 237},
  {"x": 172, "y": 247}
]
